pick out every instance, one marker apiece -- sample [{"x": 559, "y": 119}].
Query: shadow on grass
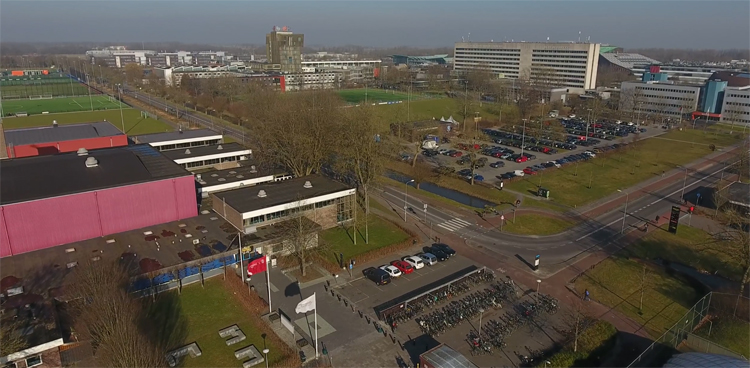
[{"x": 163, "y": 323}]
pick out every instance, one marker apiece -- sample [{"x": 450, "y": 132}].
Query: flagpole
[
  {"x": 316, "y": 325},
  {"x": 239, "y": 245},
  {"x": 268, "y": 281}
]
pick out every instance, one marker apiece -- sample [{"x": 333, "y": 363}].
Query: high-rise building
[
  {"x": 284, "y": 48},
  {"x": 560, "y": 64}
]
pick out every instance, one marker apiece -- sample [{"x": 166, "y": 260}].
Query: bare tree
[
  {"x": 422, "y": 173},
  {"x": 737, "y": 243},
  {"x": 105, "y": 312},
  {"x": 300, "y": 237},
  {"x": 576, "y": 320},
  {"x": 11, "y": 340}
]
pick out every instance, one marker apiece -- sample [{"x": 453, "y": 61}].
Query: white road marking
[{"x": 454, "y": 224}]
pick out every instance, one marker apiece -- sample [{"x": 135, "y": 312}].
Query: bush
[{"x": 593, "y": 343}]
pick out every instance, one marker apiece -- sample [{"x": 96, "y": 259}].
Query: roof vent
[
  {"x": 240, "y": 176},
  {"x": 54, "y": 123},
  {"x": 83, "y": 152},
  {"x": 219, "y": 147},
  {"x": 214, "y": 175},
  {"x": 198, "y": 176},
  {"x": 232, "y": 172},
  {"x": 253, "y": 170},
  {"x": 262, "y": 194},
  {"x": 92, "y": 162},
  {"x": 222, "y": 179},
  {"x": 187, "y": 151},
  {"x": 308, "y": 184}
]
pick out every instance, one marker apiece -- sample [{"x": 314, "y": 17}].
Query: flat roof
[
  {"x": 200, "y": 151},
  {"x": 60, "y": 133},
  {"x": 174, "y": 136},
  {"x": 444, "y": 356},
  {"x": 31, "y": 178},
  {"x": 739, "y": 193},
  {"x": 248, "y": 170},
  {"x": 287, "y": 191}
]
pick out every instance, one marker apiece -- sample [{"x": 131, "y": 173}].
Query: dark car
[
  {"x": 445, "y": 248},
  {"x": 497, "y": 164},
  {"x": 439, "y": 254},
  {"x": 377, "y": 275}
]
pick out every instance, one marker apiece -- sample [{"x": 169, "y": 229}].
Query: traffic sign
[{"x": 502, "y": 217}]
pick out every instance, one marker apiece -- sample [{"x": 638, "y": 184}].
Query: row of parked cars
[
  {"x": 602, "y": 129},
  {"x": 586, "y": 155},
  {"x": 430, "y": 256}
]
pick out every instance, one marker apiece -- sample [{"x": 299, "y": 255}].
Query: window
[
  {"x": 34, "y": 361},
  {"x": 10, "y": 365}
]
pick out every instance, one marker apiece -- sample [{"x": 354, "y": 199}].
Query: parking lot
[{"x": 537, "y": 334}]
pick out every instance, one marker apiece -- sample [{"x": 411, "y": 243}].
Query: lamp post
[
  {"x": 624, "y": 213},
  {"x": 481, "y": 313},
  {"x": 684, "y": 182},
  {"x": 119, "y": 97},
  {"x": 588, "y": 123},
  {"x": 406, "y": 190},
  {"x": 523, "y": 136},
  {"x": 538, "y": 282},
  {"x": 265, "y": 352}
]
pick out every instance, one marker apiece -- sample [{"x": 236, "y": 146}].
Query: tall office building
[
  {"x": 560, "y": 64},
  {"x": 284, "y": 49}
]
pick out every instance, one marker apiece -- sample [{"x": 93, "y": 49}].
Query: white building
[
  {"x": 563, "y": 64},
  {"x": 180, "y": 139},
  {"x": 218, "y": 156},
  {"x": 173, "y": 76},
  {"x": 315, "y": 80},
  {"x": 684, "y": 73},
  {"x": 736, "y": 106},
  {"x": 233, "y": 178},
  {"x": 664, "y": 99},
  {"x": 341, "y": 64}
]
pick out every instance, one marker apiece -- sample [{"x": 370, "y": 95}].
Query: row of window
[
  {"x": 730, "y": 113},
  {"x": 30, "y": 362},
  {"x": 167, "y": 147},
  {"x": 478, "y": 49},
  {"x": 562, "y": 51},
  {"x": 285, "y": 213},
  {"x": 560, "y": 63},
  {"x": 676, "y": 106},
  {"x": 662, "y": 89},
  {"x": 738, "y": 104},
  {"x": 738, "y": 96},
  {"x": 214, "y": 161},
  {"x": 662, "y": 97},
  {"x": 514, "y": 61},
  {"x": 584, "y": 57}
]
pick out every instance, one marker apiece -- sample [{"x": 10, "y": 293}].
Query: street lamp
[
  {"x": 538, "y": 282},
  {"x": 406, "y": 189},
  {"x": 119, "y": 95},
  {"x": 624, "y": 213},
  {"x": 523, "y": 136},
  {"x": 265, "y": 352},
  {"x": 588, "y": 122},
  {"x": 684, "y": 182},
  {"x": 481, "y": 313}
]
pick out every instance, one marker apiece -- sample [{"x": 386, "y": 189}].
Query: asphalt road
[{"x": 591, "y": 235}]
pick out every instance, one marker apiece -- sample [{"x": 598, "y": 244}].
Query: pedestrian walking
[
  {"x": 586, "y": 296},
  {"x": 663, "y": 173}
]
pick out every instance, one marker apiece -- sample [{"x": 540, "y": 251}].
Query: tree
[
  {"x": 421, "y": 173},
  {"x": 362, "y": 152},
  {"x": 576, "y": 320},
  {"x": 105, "y": 312},
  {"x": 134, "y": 74},
  {"x": 737, "y": 243},
  {"x": 11, "y": 340},
  {"x": 300, "y": 238}
]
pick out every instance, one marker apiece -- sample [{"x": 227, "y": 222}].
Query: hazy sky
[{"x": 630, "y": 23}]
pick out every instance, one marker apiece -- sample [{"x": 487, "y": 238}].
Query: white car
[
  {"x": 414, "y": 261},
  {"x": 443, "y": 151},
  {"x": 592, "y": 154},
  {"x": 392, "y": 270},
  {"x": 554, "y": 163},
  {"x": 519, "y": 173}
]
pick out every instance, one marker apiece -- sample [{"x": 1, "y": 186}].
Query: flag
[
  {"x": 256, "y": 266},
  {"x": 306, "y": 305}
]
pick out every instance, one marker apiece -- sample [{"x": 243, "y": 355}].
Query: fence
[{"x": 711, "y": 306}]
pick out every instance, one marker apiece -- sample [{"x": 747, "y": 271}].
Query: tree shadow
[
  {"x": 418, "y": 346},
  {"x": 292, "y": 289},
  {"x": 163, "y": 322}
]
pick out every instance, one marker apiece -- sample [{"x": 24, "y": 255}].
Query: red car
[
  {"x": 529, "y": 171},
  {"x": 457, "y": 154},
  {"x": 402, "y": 266},
  {"x": 522, "y": 159}
]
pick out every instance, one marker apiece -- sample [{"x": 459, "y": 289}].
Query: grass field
[
  {"x": 55, "y": 105},
  {"x": 360, "y": 95},
  {"x": 38, "y": 89},
  {"x": 427, "y": 109},
  {"x": 619, "y": 170},
  {"x": 729, "y": 332},
  {"x": 135, "y": 124},
  {"x": 536, "y": 224},
  {"x": 616, "y": 282},
  {"x": 382, "y": 234},
  {"x": 199, "y": 313}
]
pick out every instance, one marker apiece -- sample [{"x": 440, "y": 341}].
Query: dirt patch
[
  {"x": 311, "y": 273},
  {"x": 186, "y": 256},
  {"x": 149, "y": 265}
]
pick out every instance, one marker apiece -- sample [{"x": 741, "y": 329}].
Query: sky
[{"x": 711, "y": 24}]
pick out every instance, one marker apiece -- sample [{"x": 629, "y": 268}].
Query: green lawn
[
  {"x": 616, "y": 282},
  {"x": 729, "y": 332},
  {"x": 690, "y": 246},
  {"x": 535, "y": 224},
  {"x": 621, "y": 169},
  {"x": 382, "y": 234},
  {"x": 197, "y": 315},
  {"x": 55, "y": 105},
  {"x": 135, "y": 124},
  {"x": 593, "y": 343},
  {"x": 373, "y": 95}
]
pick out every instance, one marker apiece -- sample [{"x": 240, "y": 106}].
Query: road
[{"x": 591, "y": 235}]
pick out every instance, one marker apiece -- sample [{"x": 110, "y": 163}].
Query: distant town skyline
[{"x": 629, "y": 24}]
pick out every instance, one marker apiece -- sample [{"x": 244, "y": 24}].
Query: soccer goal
[{"x": 40, "y": 97}]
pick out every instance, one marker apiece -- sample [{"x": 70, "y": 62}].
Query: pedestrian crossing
[{"x": 454, "y": 224}]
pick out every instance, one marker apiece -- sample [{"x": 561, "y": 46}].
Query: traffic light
[{"x": 691, "y": 209}]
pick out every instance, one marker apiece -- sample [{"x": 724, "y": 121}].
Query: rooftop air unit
[
  {"x": 82, "y": 152},
  {"x": 308, "y": 184},
  {"x": 262, "y": 194},
  {"x": 219, "y": 147},
  {"x": 54, "y": 123},
  {"x": 253, "y": 170},
  {"x": 92, "y": 162},
  {"x": 187, "y": 151}
]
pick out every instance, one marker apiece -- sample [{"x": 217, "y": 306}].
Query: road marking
[{"x": 454, "y": 224}]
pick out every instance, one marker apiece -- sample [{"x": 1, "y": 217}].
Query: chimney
[{"x": 92, "y": 162}]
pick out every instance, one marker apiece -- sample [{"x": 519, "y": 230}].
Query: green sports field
[
  {"x": 135, "y": 123},
  {"x": 15, "y": 88},
  {"x": 372, "y": 95},
  {"x": 55, "y": 105}
]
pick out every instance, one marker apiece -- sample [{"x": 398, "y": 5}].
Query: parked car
[
  {"x": 428, "y": 258},
  {"x": 478, "y": 177},
  {"x": 392, "y": 270},
  {"x": 497, "y": 164},
  {"x": 403, "y": 266},
  {"x": 522, "y": 159},
  {"x": 377, "y": 275},
  {"x": 443, "y": 151},
  {"x": 554, "y": 163},
  {"x": 529, "y": 171},
  {"x": 439, "y": 254},
  {"x": 464, "y": 172},
  {"x": 445, "y": 248},
  {"x": 519, "y": 173},
  {"x": 414, "y": 261},
  {"x": 456, "y": 154}
]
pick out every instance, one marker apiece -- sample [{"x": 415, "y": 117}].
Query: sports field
[
  {"x": 23, "y": 88},
  {"x": 135, "y": 123},
  {"x": 359, "y": 95},
  {"x": 55, "y": 105}
]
